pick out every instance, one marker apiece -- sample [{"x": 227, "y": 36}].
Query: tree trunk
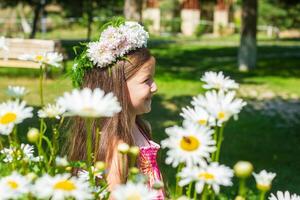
[
  {"x": 247, "y": 50},
  {"x": 25, "y": 25},
  {"x": 133, "y": 10},
  {"x": 37, "y": 13},
  {"x": 89, "y": 11}
]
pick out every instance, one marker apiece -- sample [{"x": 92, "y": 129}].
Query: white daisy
[
  {"x": 17, "y": 92},
  {"x": 84, "y": 175},
  {"x": 51, "y": 111},
  {"x": 14, "y": 186},
  {"x": 54, "y": 59},
  {"x": 264, "y": 180},
  {"x": 132, "y": 191},
  {"x": 14, "y": 112},
  {"x": 50, "y": 58},
  {"x": 61, "y": 161},
  {"x": 220, "y": 105},
  {"x": 284, "y": 196},
  {"x": 24, "y": 152},
  {"x": 88, "y": 103},
  {"x": 214, "y": 174},
  {"x": 11, "y": 113},
  {"x": 61, "y": 186},
  {"x": 197, "y": 115},
  {"x": 6, "y": 129},
  {"x": 190, "y": 144},
  {"x": 214, "y": 80},
  {"x": 3, "y": 44}
]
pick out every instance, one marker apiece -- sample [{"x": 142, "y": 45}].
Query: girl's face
[{"x": 141, "y": 87}]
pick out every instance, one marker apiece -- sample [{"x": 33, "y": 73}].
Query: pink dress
[{"x": 149, "y": 167}]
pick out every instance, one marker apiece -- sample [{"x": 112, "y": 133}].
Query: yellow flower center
[
  {"x": 202, "y": 122},
  {"x": 88, "y": 110},
  {"x": 264, "y": 188},
  {"x": 189, "y": 143},
  {"x": 8, "y": 118},
  {"x": 221, "y": 115},
  {"x": 134, "y": 196},
  {"x": 218, "y": 85},
  {"x": 65, "y": 185},
  {"x": 206, "y": 176},
  {"x": 13, "y": 184},
  {"x": 39, "y": 58}
]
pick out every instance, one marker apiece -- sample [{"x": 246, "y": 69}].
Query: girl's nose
[{"x": 153, "y": 87}]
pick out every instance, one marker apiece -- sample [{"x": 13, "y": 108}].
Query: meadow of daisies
[{"x": 37, "y": 170}]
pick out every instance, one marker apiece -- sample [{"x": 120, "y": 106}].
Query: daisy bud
[
  {"x": 68, "y": 169},
  {"x": 31, "y": 176},
  {"x": 100, "y": 166},
  {"x": 123, "y": 148},
  {"x": 134, "y": 150},
  {"x": 243, "y": 169},
  {"x": 158, "y": 185},
  {"x": 134, "y": 170},
  {"x": 264, "y": 180},
  {"x": 183, "y": 198},
  {"x": 33, "y": 135},
  {"x": 61, "y": 161},
  {"x": 239, "y": 198}
]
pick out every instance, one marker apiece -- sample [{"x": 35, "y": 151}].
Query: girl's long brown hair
[{"x": 116, "y": 128}]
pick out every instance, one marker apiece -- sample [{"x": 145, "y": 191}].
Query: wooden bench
[{"x": 18, "y": 47}]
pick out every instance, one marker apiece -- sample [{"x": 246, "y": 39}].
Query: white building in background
[
  {"x": 190, "y": 16},
  {"x": 152, "y": 14},
  {"x": 221, "y": 17}
]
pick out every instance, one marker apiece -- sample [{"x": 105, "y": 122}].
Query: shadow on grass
[{"x": 188, "y": 62}]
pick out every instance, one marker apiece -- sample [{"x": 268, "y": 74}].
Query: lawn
[{"x": 268, "y": 136}]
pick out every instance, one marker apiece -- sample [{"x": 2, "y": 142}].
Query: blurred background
[{"x": 256, "y": 42}]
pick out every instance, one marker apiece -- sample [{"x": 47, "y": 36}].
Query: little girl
[{"x": 121, "y": 64}]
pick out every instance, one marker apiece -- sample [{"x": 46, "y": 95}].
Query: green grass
[{"x": 180, "y": 64}]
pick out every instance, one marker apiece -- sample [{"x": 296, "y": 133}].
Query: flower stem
[
  {"x": 15, "y": 135},
  {"x": 242, "y": 187},
  {"x": 97, "y": 141},
  {"x": 178, "y": 189},
  {"x": 189, "y": 190},
  {"x": 220, "y": 140},
  {"x": 88, "y": 122},
  {"x": 204, "y": 193},
  {"x": 195, "y": 193},
  {"x": 41, "y": 84},
  {"x": 262, "y": 195},
  {"x": 213, "y": 157},
  {"x": 41, "y": 152}
]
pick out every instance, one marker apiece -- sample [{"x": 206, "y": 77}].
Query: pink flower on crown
[{"x": 115, "y": 42}]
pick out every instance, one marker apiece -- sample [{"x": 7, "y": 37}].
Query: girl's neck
[{"x": 138, "y": 137}]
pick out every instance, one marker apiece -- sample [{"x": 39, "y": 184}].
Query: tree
[
  {"x": 247, "y": 50},
  {"x": 38, "y": 6},
  {"x": 133, "y": 10}
]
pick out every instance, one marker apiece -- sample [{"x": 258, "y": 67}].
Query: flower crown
[{"x": 116, "y": 40}]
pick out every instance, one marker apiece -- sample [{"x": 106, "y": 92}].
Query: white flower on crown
[{"x": 115, "y": 42}]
